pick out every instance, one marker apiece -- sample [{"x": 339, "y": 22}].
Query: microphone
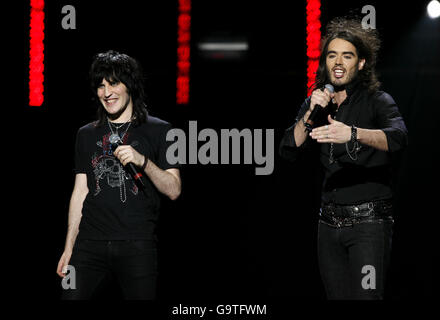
[
  {"x": 116, "y": 141},
  {"x": 316, "y": 110}
]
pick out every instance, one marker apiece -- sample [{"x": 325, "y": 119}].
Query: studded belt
[{"x": 347, "y": 215}]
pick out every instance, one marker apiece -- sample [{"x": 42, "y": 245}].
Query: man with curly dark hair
[
  {"x": 112, "y": 219},
  {"x": 358, "y": 130}
]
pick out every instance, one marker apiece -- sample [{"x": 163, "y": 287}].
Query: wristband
[
  {"x": 145, "y": 163},
  {"x": 353, "y": 134},
  {"x": 304, "y": 120},
  {"x": 356, "y": 146}
]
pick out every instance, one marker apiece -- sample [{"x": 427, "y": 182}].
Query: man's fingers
[
  {"x": 322, "y": 136},
  {"x": 321, "y": 98},
  {"x": 325, "y": 128},
  {"x": 327, "y": 93},
  {"x": 125, "y": 158},
  {"x": 59, "y": 271},
  {"x": 62, "y": 269},
  {"x": 120, "y": 149}
]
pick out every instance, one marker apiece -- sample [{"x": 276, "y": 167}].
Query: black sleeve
[
  {"x": 288, "y": 149},
  {"x": 80, "y": 160},
  {"x": 390, "y": 121},
  {"x": 162, "y": 161}
]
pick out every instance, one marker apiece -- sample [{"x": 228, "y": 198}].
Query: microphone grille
[{"x": 330, "y": 88}]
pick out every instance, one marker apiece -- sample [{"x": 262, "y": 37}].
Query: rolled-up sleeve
[
  {"x": 288, "y": 148},
  {"x": 390, "y": 121}
]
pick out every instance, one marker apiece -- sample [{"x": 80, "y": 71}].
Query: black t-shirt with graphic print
[{"x": 115, "y": 208}]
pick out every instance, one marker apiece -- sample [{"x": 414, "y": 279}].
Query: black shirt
[
  {"x": 115, "y": 208},
  {"x": 349, "y": 181}
]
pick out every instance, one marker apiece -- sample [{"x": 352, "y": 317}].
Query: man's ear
[{"x": 361, "y": 64}]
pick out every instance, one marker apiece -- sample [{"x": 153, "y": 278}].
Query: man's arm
[
  {"x": 80, "y": 191},
  {"x": 166, "y": 181},
  {"x": 295, "y": 136},
  {"x": 375, "y": 138},
  {"x": 300, "y": 132},
  {"x": 338, "y": 132},
  {"x": 392, "y": 135}
]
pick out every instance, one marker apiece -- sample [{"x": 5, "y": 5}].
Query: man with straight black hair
[{"x": 112, "y": 218}]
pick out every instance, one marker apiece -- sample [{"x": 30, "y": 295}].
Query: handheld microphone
[
  {"x": 316, "y": 110},
  {"x": 135, "y": 173}
]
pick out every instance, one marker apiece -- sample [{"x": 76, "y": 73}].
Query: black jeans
[
  {"x": 132, "y": 263},
  {"x": 353, "y": 260}
]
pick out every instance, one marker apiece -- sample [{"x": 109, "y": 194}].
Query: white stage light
[{"x": 434, "y": 9}]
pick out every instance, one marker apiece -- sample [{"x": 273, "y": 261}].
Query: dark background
[{"x": 232, "y": 236}]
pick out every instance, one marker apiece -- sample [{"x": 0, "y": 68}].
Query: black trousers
[
  {"x": 132, "y": 263},
  {"x": 353, "y": 260}
]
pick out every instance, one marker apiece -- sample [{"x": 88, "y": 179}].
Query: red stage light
[
  {"x": 183, "y": 52},
  {"x": 36, "y": 53},
  {"x": 313, "y": 15}
]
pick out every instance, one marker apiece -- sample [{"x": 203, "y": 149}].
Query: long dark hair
[
  {"x": 366, "y": 42},
  {"x": 118, "y": 67}
]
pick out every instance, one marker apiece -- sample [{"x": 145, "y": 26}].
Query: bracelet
[
  {"x": 145, "y": 163},
  {"x": 353, "y": 134},
  {"x": 355, "y": 142},
  {"x": 303, "y": 120}
]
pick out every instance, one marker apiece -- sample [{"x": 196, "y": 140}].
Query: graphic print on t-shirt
[{"x": 108, "y": 170}]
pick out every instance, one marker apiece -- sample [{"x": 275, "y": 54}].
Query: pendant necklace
[{"x": 122, "y": 175}]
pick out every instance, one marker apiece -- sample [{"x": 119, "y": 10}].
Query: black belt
[{"x": 347, "y": 215}]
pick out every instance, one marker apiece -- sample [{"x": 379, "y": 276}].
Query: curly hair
[
  {"x": 118, "y": 67},
  {"x": 366, "y": 42}
]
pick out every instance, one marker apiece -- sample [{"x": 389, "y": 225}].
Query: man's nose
[
  {"x": 107, "y": 91},
  {"x": 339, "y": 60}
]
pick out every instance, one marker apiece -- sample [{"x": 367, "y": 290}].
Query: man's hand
[
  {"x": 63, "y": 263},
  {"x": 335, "y": 131},
  {"x": 321, "y": 98},
  {"x": 127, "y": 154}
]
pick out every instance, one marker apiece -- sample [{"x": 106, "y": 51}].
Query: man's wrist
[
  {"x": 144, "y": 164},
  {"x": 306, "y": 115},
  {"x": 358, "y": 134},
  {"x": 68, "y": 248}
]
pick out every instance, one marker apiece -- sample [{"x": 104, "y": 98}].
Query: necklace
[
  {"x": 117, "y": 128},
  {"x": 110, "y": 125},
  {"x": 122, "y": 175},
  {"x": 331, "y": 159}
]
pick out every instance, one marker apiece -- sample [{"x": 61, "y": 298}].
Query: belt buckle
[
  {"x": 344, "y": 222},
  {"x": 337, "y": 222}
]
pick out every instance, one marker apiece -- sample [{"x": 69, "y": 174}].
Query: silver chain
[
  {"x": 122, "y": 174},
  {"x": 355, "y": 150},
  {"x": 117, "y": 128},
  {"x": 331, "y": 159},
  {"x": 122, "y": 184}
]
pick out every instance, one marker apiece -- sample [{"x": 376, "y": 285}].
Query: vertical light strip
[
  {"x": 183, "y": 52},
  {"x": 36, "y": 53},
  {"x": 313, "y": 15}
]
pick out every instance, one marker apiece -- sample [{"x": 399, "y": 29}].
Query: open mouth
[{"x": 338, "y": 73}]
